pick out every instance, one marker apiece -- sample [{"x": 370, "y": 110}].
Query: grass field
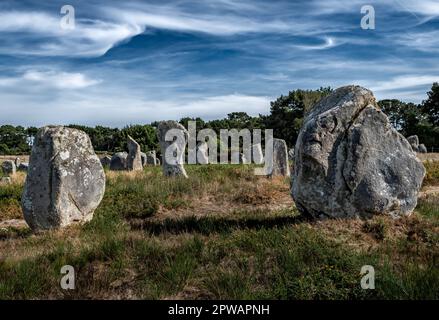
[{"x": 224, "y": 233}]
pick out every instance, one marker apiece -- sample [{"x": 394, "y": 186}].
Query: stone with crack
[
  {"x": 350, "y": 162},
  {"x": 65, "y": 181}
]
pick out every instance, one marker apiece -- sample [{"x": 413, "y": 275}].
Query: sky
[{"x": 134, "y": 62}]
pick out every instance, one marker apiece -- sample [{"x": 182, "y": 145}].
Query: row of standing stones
[{"x": 348, "y": 162}]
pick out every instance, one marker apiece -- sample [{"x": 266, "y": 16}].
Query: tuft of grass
[{"x": 432, "y": 173}]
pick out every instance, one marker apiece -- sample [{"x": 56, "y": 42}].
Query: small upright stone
[
  {"x": 24, "y": 166},
  {"x": 106, "y": 161},
  {"x": 65, "y": 182},
  {"x": 143, "y": 157},
  {"x": 134, "y": 161},
  {"x": 17, "y": 162},
  {"x": 202, "y": 153},
  {"x": 8, "y": 167},
  {"x": 291, "y": 154},
  {"x": 119, "y": 161},
  {"x": 257, "y": 155},
  {"x": 422, "y": 148},
  {"x": 280, "y": 165},
  {"x": 414, "y": 142},
  {"x": 151, "y": 158},
  {"x": 172, "y": 165}
]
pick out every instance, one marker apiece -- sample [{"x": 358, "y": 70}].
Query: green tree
[
  {"x": 287, "y": 112},
  {"x": 431, "y": 106}
]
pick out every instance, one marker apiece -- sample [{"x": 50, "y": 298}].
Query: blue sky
[{"x": 133, "y": 62}]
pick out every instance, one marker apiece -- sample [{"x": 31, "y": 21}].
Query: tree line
[{"x": 285, "y": 118}]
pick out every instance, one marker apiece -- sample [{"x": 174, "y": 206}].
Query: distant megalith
[
  {"x": 143, "y": 157},
  {"x": 422, "y": 148},
  {"x": 24, "y": 166},
  {"x": 257, "y": 154},
  {"x": 119, "y": 161},
  {"x": 350, "y": 162},
  {"x": 202, "y": 153},
  {"x": 134, "y": 160},
  {"x": 291, "y": 154},
  {"x": 8, "y": 167},
  {"x": 172, "y": 137},
  {"x": 279, "y": 166},
  {"x": 151, "y": 158},
  {"x": 17, "y": 162},
  {"x": 65, "y": 182},
  {"x": 414, "y": 142},
  {"x": 106, "y": 161}
]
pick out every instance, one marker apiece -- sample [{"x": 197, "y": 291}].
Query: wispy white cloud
[{"x": 50, "y": 79}]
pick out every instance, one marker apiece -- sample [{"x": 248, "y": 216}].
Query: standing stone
[
  {"x": 119, "y": 161},
  {"x": 422, "y": 148},
  {"x": 202, "y": 153},
  {"x": 172, "y": 168},
  {"x": 8, "y": 167},
  {"x": 257, "y": 155},
  {"x": 65, "y": 182},
  {"x": 350, "y": 162},
  {"x": 134, "y": 161},
  {"x": 414, "y": 142},
  {"x": 280, "y": 165},
  {"x": 106, "y": 161},
  {"x": 157, "y": 161},
  {"x": 151, "y": 158},
  {"x": 291, "y": 154},
  {"x": 17, "y": 162},
  {"x": 24, "y": 166},
  {"x": 143, "y": 157}
]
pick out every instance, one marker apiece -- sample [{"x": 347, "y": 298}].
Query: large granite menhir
[
  {"x": 350, "y": 162},
  {"x": 65, "y": 181}
]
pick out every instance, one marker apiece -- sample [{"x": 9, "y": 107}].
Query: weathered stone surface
[
  {"x": 106, "y": 161},
  {"x": 291, "y": 154},
  {"x": 414, "y": 142},
  {"x": 202, "y": 153},
  {"x": 8, "y": 167},
  {"x": 134, "y": 160},
  {"x": 280, "y": 165},
  {"x": 175, "y": 167},
  {"x": 422, "y": 148},
  {"x": 17, "y": 162},
  {"x": 257, "y": 154},
  {"x": 65, "y": 182},
  {"x": 151, "y": 158},
  {"x": 143, "y": 157},
  {"x": 119, "y": 161},
  {"x": 350, "y": 162},
  {"x": 24, "y": 166}
]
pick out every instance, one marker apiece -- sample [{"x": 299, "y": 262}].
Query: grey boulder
[
  {"x": 119, "y": 161},
  {"x": 422, "y": 148},
  {"x": 65, "y": 182},
  {"x": 106, "y": 161},
  {"x": 350, "y": 162},
  {"x": 8, "y": 167},
  {"x": 414, "y": 142},
  {"x": 202, "y": 153},
  {"x": 151, "y": 158},
  {"x": 24, "y": 166}
]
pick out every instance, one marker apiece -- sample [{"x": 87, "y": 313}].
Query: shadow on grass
[{"x": 208, "y": 225}]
